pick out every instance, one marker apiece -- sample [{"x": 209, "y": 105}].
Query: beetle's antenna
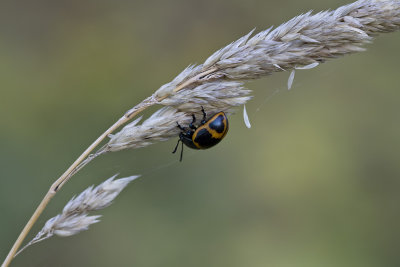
[
  {"x": 181, "y": 152},
  {"x": 176, "y": 147}
]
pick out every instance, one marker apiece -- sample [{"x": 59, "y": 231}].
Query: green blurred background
[{"x": 314, "y": 182}]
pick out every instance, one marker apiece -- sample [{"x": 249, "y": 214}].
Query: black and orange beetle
[{"x": 209, "y": 133}]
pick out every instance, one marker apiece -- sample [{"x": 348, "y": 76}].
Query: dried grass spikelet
[
  {"x": 75, "y": 216},
  {"x": 160, "y": 126},
  {"x": 303, "y": 40},
  {"x": 217, "y": 84}
]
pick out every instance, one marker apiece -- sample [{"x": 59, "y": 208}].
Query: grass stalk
[{"x": 217, "y": 83}]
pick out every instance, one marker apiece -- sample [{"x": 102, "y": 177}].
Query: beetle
[{"x": 209, "y": 133}]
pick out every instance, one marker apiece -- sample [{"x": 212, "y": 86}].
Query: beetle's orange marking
[{"x": 197, "y": 145}]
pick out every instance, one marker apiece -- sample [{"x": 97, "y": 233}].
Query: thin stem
[
  {"x": 31, "y": 243},
  {"x": 27, "y": 228}
]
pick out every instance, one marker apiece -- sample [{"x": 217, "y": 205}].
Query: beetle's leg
[
  {"x": 191, "y": 126},
  {"x": 203, "y": 121},
  {"x": 176, "y": 147},
  {"x": 180, "y": 127},
  {"x": 181, "y": 152}
]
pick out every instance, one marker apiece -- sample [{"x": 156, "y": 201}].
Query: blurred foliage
[{"x": 315, "y": 182}]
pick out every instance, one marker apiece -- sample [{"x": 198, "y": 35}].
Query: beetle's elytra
[{"x": 208, "y": 134}]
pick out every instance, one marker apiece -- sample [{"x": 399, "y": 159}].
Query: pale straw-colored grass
[
  {"x": 303, "y": 42},
  {"x": 75, "y": 217}
]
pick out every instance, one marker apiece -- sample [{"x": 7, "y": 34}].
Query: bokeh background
[{"x": 314, "y": 182}]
